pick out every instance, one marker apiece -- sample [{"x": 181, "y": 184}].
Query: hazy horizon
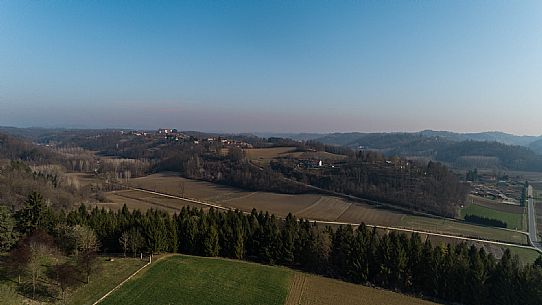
[
  {"x": 280, "y": 67},
  {"x": 262, "y": 132}
]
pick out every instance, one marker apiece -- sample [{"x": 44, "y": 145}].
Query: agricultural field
[
  {"x": 143, "y": 201},
  {"x": 315, "y": 290},
  {"x": 262, "y": 156},
  {"x": 495, "y": 205},
  {"x": 310, "y": 206},
  {"x": 445, "y": 226},
  {"x": 212, "y": 281},
  {"x": 514, "y": 221},
  {"x": 196, "y": 280}
]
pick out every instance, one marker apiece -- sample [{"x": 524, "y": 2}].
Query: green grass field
[
  {"x": 195, "y": 280},
  {"x": 513, "y": 220},
  {"x": 526, "y": 256}
]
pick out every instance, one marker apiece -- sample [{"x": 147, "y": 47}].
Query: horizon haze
[{"x": 277, "y": 67}]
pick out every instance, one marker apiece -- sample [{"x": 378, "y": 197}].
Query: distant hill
[
  {"x": 491, "y": 136},
  {"x": 293, "y": 136},
  {"x": 536, "y": 146},
  {"x": 457, "y": 150},
  {"x": 350, "y": 138}
]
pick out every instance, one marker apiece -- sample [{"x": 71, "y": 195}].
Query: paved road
[
  {"x": 533, "y": 236},
  {"x": 346, "y": 223}
]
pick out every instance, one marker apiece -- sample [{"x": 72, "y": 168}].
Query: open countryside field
[
  {"x": 144, "y": 201},
  {"x": 496, "y": 205},
  {"x": 196, "y": 280},
  {"x": 315, "y": 290},
  {"x": 211, "y": 281},
  {"x": 262, "y": 156},
  {"x": 311, "y": 206},
  {"x": 513, "y": 220},
  {"x": 446, "y": 226}
]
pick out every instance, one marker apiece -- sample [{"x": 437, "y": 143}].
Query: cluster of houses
[
  {"x": 503, "y": 191},
  {"x": 173, "y": 134}
]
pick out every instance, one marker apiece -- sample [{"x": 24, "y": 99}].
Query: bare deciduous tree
[{"x": 124, "y": 241}]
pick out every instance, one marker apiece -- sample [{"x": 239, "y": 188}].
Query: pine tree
[
  {"x": 31, "y": 215},
  {"x": 210, "y": 243},
  {"x": 8, "y": 236}
]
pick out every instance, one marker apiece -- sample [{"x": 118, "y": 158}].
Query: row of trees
[
  {"x": 361, "y": 255},
  {"x": 485, "y": 221}
]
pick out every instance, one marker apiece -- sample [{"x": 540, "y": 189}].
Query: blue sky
[{"x": 282, "y": 66}]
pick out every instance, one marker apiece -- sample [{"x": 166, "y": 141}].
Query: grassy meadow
[
  {"x": 192, "y": 280},
  {"x": 512, "y": 220},
  {"x": 195, "y": 280}
]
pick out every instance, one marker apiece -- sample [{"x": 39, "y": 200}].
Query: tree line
[
  {"x": 485, "y": 221},
  {"x": 364, "y": 255}
]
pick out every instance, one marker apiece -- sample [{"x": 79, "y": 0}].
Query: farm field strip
[
  {"x": 510, "y": 244},
  {"x": 513, "y": 220},
  {"x": 326, "y": 208},
  {"x": 451, "y": 227},
  {"x": 181, "y": 279},
  {"x": 280, "y": 204},
  {"x": 317, "y": 290},
  {"x": 296, "y": 289},
  {"x": 495, "y": 205},
  {"x": 117, "y": 201},
  {"x": 355, "y": 213}
]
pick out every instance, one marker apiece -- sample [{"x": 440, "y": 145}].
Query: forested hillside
[{"x": 416, "y": 186}]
